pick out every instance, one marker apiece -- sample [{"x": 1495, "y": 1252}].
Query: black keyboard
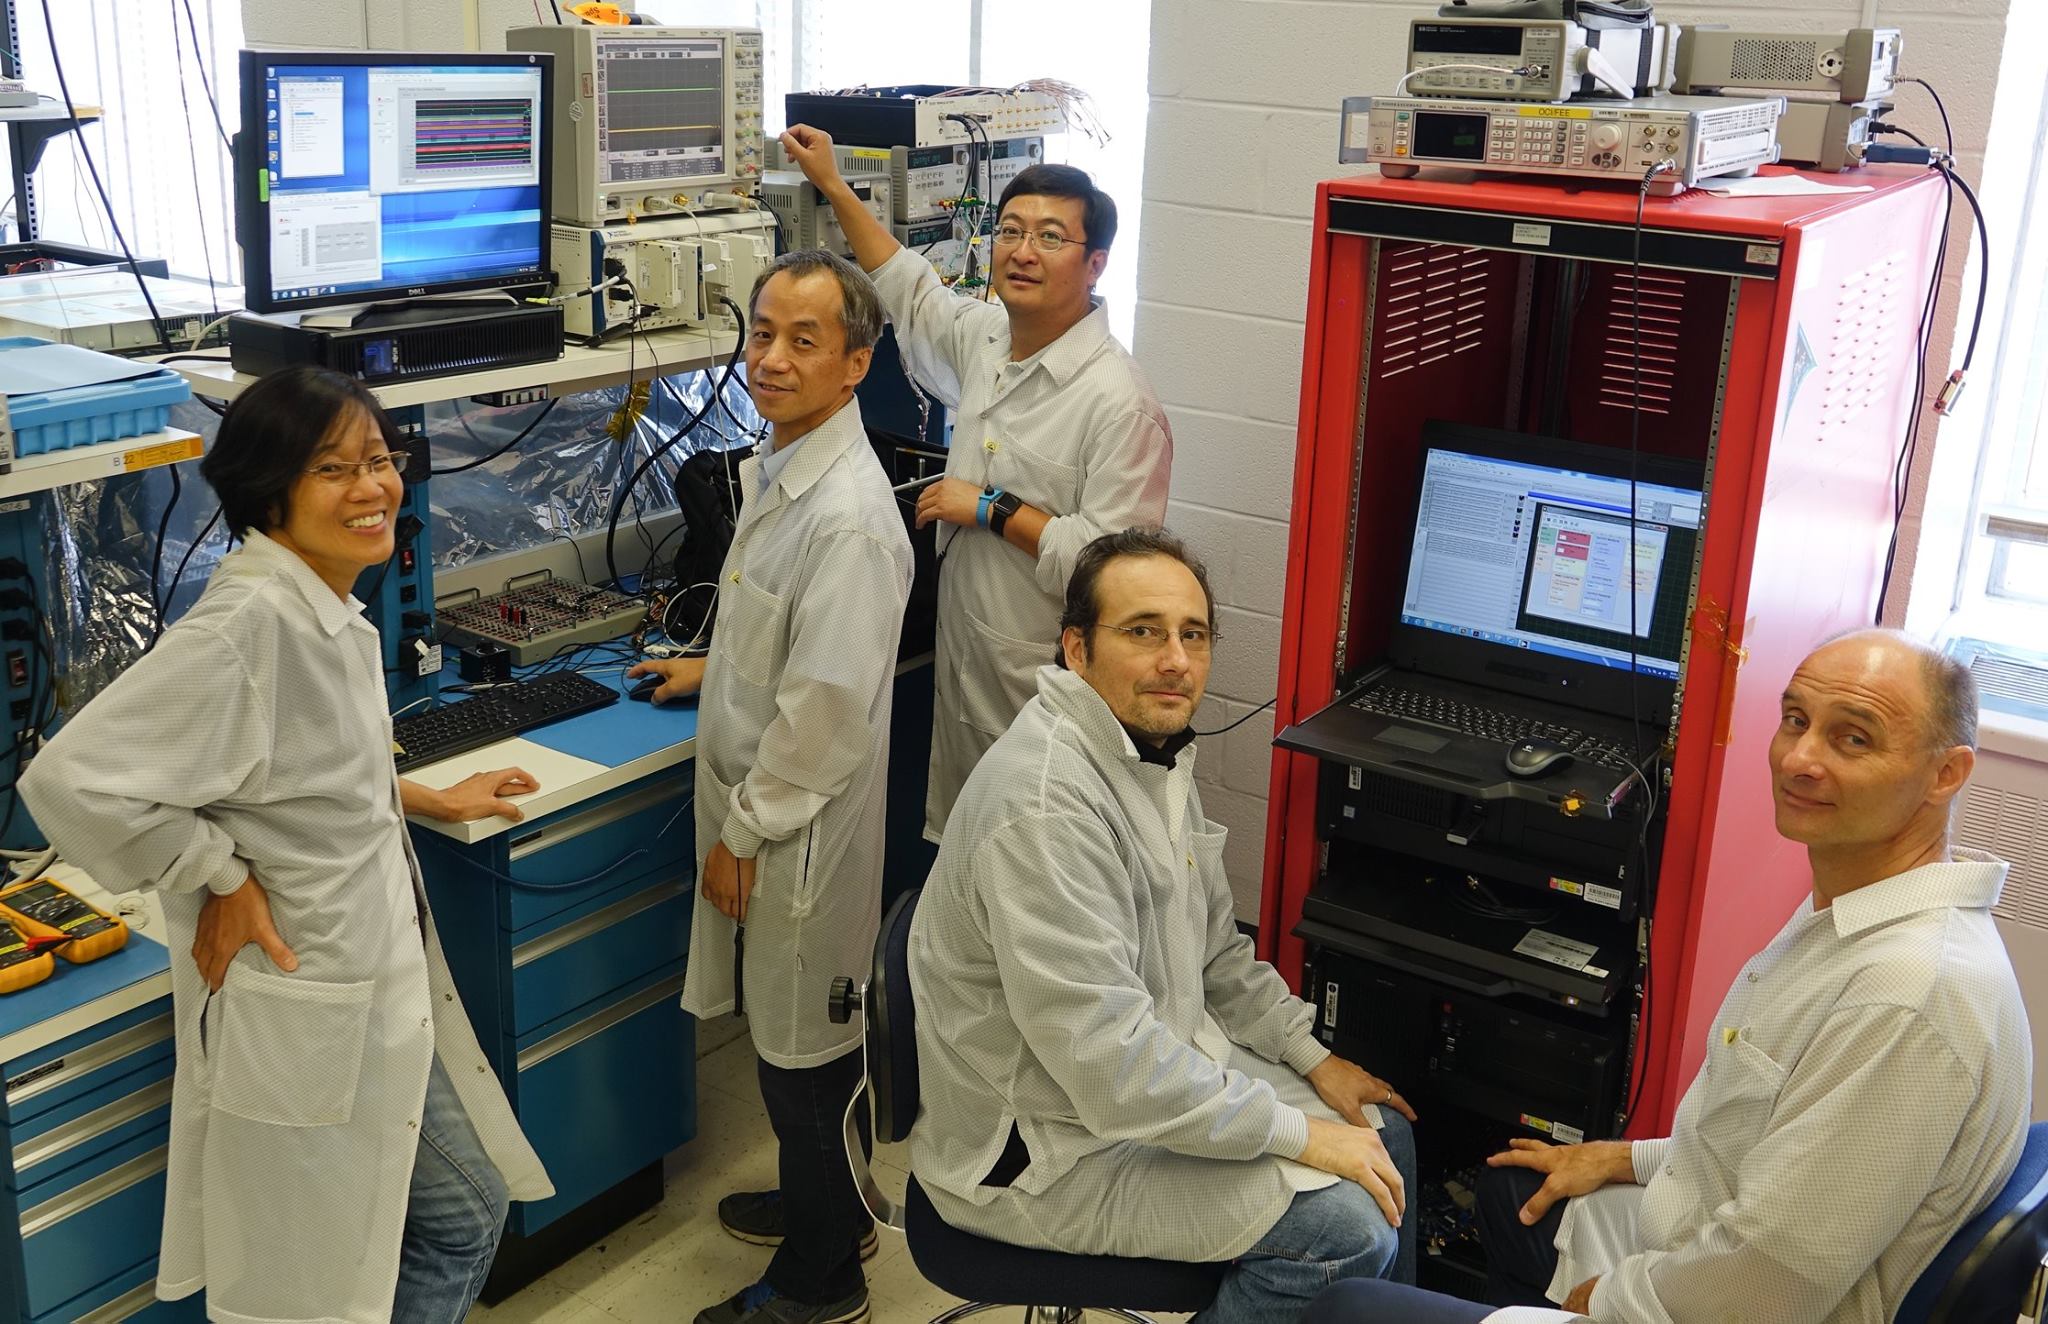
[
  {"x": 494, "y": 715},
  {"x": 1494, "y": 724}
]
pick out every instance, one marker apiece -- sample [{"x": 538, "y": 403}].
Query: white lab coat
[
  {"x": 1074, "y": 431},
  {"x": 255, "y": 739},
  {"x": 793, "y": 738}
]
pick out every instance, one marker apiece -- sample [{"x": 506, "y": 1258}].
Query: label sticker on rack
[
  {"x": 1527, "y": 233},
  {"x": 1355, "y": 778},
  {"x": 1560, "y": 1131},
  {"x": 169, "y": 452},
  {"x": 1567, "y": 885},
  {"x": 1609, "y": 897},
  {"x": 1330, "y": 1005},
  {"x": 1567, "y": 952}
]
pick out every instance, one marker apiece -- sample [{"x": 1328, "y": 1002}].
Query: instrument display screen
[{"x": 1442, "y": 136}]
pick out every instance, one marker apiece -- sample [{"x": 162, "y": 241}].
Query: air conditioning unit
[{"x": 2005, "y": 811}]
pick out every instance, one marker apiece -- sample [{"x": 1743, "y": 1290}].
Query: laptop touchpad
[{"x": 1409, "y": 738}]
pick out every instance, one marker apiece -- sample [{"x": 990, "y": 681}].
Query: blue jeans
[
  {"x": 1362, "y": 1301},
  {"x": 453, "y": 1218},
  {"x": 1327, "y": 1235}
]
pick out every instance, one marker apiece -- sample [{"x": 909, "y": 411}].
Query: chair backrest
[
  {"x": 1985, "y": 1269},
  {"x": 892, "y": 1025}
]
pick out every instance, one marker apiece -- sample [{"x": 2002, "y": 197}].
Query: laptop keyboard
[{"x": 1493, "y": 724}]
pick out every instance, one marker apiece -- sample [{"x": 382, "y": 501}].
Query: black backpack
[{"x": 708, "y": 495}]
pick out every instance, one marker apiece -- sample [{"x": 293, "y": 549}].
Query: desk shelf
[
  {"x": 581, "y": 368},
  {"x": 107, "y": 459}
]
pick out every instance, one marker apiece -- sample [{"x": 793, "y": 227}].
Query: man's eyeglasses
[
  {"x": 1048, "y": 241},
  {"x": 339, "y": 472},
  {"x": 1152, "y": 638}
]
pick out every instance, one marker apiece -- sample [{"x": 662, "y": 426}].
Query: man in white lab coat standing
[
  {"x": 340, "y": 1149},
  {"x": 1057, "y": 437},
  {"x": 792, "y": 771}
]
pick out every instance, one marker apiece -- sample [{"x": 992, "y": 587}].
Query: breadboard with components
[{"x": 538, "y": 619}]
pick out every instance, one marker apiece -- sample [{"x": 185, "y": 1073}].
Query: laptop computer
[{"x": 1525, "y": 615}]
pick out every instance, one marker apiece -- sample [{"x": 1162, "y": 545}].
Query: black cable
[
  {"x": 156, "y": 559},
  {"x": 1242, "y": 720},
  {"x": 1983, "y": 263},
  {"x": 178, "y": 577},
  {"x": 547, "y": 407},
  {"x": 156, "y": 319},
  {"x": 558, "y": 12},
  {"x": 199, "y": 58},
  {"x": 1902, "y": 466},
  {"x": 1903, "y": 133},
  {"x": 1948, "y": 133},
  {"x": 611, "y": 561},
  {"x": 1638, "y": 1068},
  {"x": 192, "y": 155}
]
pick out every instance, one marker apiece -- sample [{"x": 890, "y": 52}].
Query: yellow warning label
[
  {"x": 168, "y": 452},
  {"x": 1567, "y": 885},
  {"x": 1554, "y": 112}
]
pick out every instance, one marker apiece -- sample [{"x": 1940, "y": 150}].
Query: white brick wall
[{"x": 1243, "y": 125}]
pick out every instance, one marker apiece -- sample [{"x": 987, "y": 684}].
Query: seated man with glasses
[
  {"x": 1057, "y": 435},
  {"x": 1105, "y": 1067}
]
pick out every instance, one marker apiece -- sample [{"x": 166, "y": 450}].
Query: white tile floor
[{"x": 675, "y": 1260}]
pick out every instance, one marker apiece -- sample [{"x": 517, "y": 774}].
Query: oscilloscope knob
[{"x": 1605, "y": 137}]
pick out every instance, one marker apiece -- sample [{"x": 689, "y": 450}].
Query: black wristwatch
[{"x": 1005, "y": 505}]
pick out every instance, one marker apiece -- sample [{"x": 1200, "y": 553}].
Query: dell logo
[{"x": 416, "y": 289}]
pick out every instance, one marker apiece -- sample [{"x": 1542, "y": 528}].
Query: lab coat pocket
[
  {"x": 750, "y": 629},
  {"x": 289, "y": 1052},
  {"x": 1040, "y": 481},
  {"x": 999, "y": 674},
  {"x": 1743, "y": 1084}
]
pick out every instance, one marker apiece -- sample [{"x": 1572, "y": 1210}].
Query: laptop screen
[{"x": 1536, "y": 556}]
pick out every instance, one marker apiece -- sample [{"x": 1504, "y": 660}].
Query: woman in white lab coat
[{"x": 340, "y": 1149}]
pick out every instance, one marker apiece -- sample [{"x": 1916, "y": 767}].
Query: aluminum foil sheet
[
  {"x": 100, "y": 538},
  {"x": 563, "y": 479}
]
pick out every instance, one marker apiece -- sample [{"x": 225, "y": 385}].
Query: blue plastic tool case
[{"x": 83, "y": 415}]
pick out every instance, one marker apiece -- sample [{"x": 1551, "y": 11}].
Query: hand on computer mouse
[{"x": 673, "y": 678}]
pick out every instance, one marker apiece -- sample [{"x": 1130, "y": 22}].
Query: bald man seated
[{"x": 1867, "y": 1080}]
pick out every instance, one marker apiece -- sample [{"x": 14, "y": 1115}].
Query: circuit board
[{"x": 539, "y": 619}]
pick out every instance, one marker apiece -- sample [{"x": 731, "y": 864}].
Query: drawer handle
[
  {"x": 563, "y": 1040},
  {"x": 89, "y": 1193},
  {"x": 92, "y": 1125},
  {"x": 568, "y": 829},
  {"x": 618, "y": 912},
  {"x": 125, "y": 1306},
  {"x": 88, "y": 1059}
]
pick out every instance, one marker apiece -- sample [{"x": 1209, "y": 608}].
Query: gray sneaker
[
  {"x": 758, "y": 1303},
  {"x": 756, "y": 1217}
]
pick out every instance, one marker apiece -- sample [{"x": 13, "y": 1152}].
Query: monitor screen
[
  {"x": 386, "y": 175},
  {"x": 1537, "y": 556},
  {"x": 661, "y": 108}
]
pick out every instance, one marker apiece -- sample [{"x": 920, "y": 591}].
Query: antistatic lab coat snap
[
  {"x": 793, "y": 738},
  {"x": 1079, "y": 975},
  {"x": 1074, "y": 431},
  {"x": 255, "y": 740}
]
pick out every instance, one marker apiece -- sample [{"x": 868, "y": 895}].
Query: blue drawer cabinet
[
  {"x": 86, "y": 1123},
  {"x": 643, "y": 1047},
  {"x": 567, "y": 936}
]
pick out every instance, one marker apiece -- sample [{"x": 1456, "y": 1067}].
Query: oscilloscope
[{"x": 646, "y": 119}]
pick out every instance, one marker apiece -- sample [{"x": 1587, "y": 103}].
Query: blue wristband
[{"x": 981, "y": 508}]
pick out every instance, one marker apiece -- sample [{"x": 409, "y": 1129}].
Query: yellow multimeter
[
  {"x": 22, "y": 963},
  {"x": 46, "y": 909}
]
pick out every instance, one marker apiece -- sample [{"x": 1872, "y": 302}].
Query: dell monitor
[{"x": 372, "y": 176}]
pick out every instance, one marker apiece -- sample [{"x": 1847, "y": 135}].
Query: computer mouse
[
  {"x": 1535, "y": 756},
  {"x": 644, "y": 691}
]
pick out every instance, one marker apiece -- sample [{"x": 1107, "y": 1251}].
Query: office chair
[
  {"x": 989, "y": 1275},
  {"x": 1991, "y": 1271}
]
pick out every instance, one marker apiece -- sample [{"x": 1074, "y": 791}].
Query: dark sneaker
[
  {"x": 756, "y": 1217},
  {"x": 758, "y": 1303}
]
